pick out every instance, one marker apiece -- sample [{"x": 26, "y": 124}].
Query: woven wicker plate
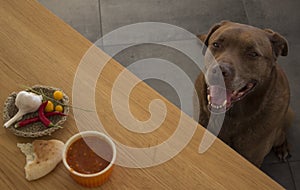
[{"x": 36, "y": 129}]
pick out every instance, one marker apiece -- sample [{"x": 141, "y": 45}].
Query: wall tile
[
  {"x": 196, "y": 16},
  {"x": 280, "y": 173},
  {"x": 83, "y": 16},
  {"x": 290, "y": 65},
  {"x": 178, "y": 59},
  {"x": 281, "y": 16},
  {"x": 295, "y": 167}
]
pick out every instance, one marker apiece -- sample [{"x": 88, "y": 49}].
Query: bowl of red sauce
[{"x": 89, "y": 156}]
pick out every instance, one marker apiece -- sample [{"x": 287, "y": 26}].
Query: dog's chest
[{"x": 234, "y": 130}]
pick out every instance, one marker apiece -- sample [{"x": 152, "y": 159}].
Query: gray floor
[{"x": 95, "y": 18}]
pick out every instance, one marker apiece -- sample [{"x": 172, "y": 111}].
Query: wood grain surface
[{"x": 36, "y": 47}]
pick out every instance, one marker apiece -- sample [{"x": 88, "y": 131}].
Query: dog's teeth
[
  {"x": 224, "y": 103},
  {"x": 218, "y": 106},
  {"x": 208, "y": 98}
]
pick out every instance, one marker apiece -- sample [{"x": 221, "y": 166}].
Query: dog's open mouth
[{"x": 221, "y": 99}]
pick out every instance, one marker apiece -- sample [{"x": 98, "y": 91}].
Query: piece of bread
[{"x": 42, "y": 156}]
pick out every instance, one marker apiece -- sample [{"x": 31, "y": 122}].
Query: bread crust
[{"x": 42, "y": 156}]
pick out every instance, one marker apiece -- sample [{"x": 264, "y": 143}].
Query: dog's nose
[{"x": 224, "y": 68}]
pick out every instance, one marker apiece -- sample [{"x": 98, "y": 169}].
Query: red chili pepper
[
  {"x": 42, "y": 116},
  {"x": 35, "y": 119}
]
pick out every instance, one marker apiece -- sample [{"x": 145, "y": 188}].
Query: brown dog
[{"x": 255, "y": 93}]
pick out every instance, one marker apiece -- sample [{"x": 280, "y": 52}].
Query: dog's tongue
[{"x": 218, "y": 95}]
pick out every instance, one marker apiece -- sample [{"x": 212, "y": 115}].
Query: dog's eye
[
  {"x": 253, "y": 54},
  {"x": 216, "y": 44}
]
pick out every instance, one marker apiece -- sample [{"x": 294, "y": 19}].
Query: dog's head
[{"x": 238, "y": 59}]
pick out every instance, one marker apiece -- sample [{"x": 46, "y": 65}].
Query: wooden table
[{"x": 36, "y": 47}]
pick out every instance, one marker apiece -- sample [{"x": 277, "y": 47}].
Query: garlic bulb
[{"x": 26, "y": 102}]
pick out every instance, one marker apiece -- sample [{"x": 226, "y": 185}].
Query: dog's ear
[
  {"x": 202, "y": 37},
  {"x": 205, "y": 37},
  {"x": 279, "y": 43}
]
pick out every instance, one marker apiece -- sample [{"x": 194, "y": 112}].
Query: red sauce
[{"x": 89, "y": 155}]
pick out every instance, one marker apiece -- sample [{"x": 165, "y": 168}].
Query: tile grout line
[
  {"x": 162, "y": 42},
  {"x": 100, "y": 19},
  {"x": 246, "y": 12},
  {"x": 291, "y": 171}
]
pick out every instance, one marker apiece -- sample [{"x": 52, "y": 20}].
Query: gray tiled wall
[
  {"x": 92, "y": 18},
  {"x": 82, "y": 15},
  {"x": 280, "y": 16},
  {"x": 195, "y": 16}
]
